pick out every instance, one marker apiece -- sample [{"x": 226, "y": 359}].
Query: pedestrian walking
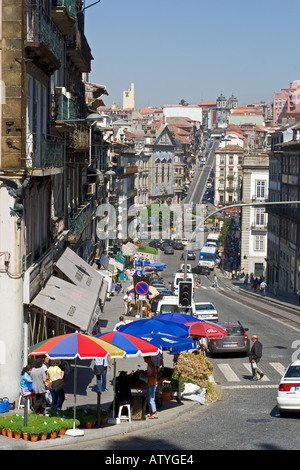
[
  {"x": 263, "y": 286},
  {"x": 55, "y": 375},
  {"x": 151, "y": 387},
  {"x": 246, "y": 280},
  {"x": 100, "y": 370},
  {"x": 120, "y": 323},
  {"x": 215, "y": 283},
  {"x": 118, "y": 287},
  {"x": 255, "y": 357},
  {"x": 127, "y": 301},
  {"x": 298, "y": 295}
]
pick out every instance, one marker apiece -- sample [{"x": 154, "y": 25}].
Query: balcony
[
  {"x": 259, "y": 228},
  {"x": 79, "y": 51},
  {"x": 78, "y": 139},
  {"x": 64, "y": 15},
  {"x": 79, "y": 219},
  {"x": 129, "y": 170},
  {"x": 63, "y": 108},
  {"x": 43, "y": 43},
  {"x": 44, "y": 154}
]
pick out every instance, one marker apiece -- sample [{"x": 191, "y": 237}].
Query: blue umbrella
[
  {"x": 170, "y": 343},
  {"x": 176, "y": 317},
  {"x": 151, "y": 325}
]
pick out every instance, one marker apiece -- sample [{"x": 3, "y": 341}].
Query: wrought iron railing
[
  {"x": 63, "y": 108},
  {"x": 44, "y": 151},
  {"x": 40, "y": 28},
  {"x": 70, "y": 5},
  {"x": 80, "y": 218}
]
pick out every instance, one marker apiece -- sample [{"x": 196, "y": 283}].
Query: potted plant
[
  {"x": 53, "y": 428},
  {"x": 16, "y": 428},
  {"x": 166, "y": 391},
  {"x": 89, "y": 419},
  {"x": 103, "y": 416},
  {"x": 30, "y": 433}
]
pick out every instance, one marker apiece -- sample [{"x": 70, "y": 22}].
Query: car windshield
[
  {"x": 293, "y": 371},
  {"x": 175, "y": 308},
  {"x": 205, "y": 307},
  {"x": 179, "y": 279},
  {"x": 234, "y": 331}
]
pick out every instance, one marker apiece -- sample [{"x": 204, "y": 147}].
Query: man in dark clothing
[{"x": 254, "y": 358}]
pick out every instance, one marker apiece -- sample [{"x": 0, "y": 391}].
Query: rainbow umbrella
[
  {"x": 73, "y": 346},
  {"x": 76, "y": 345},
  {"x": 132, "y": 345}
]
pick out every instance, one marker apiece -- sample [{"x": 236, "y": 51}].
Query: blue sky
[{"x": 193, "y": 49}]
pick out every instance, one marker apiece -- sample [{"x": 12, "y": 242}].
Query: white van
[
  {"x": 169, "y": 304},
  {"x": 180, "y": 277}
]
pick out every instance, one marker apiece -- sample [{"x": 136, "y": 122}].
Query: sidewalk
[
  {"x": 287, "y": 298},
  {"x": 86, "y": 396}
]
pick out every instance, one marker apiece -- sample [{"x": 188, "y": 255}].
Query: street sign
[{"x": 142, "y": 288}]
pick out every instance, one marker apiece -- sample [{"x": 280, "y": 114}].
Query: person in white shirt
[{"x": 120, "y": 323}]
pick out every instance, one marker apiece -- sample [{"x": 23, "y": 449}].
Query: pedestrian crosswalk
[{"x": 238, "y": 374}]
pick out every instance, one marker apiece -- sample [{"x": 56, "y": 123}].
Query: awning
[
  {"x": 129, "y": 249},
  {"x": 116, "y": 264},
  {"x": 79, "y": 272},
  {"x": 76, "y": 305}
]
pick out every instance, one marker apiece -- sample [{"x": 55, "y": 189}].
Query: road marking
[
  {"x": 228, "y": 373},
  {"x": 278, "y": 367},
  {"x": 228, "y": 387},
  {"x": 248, "y": 367}
]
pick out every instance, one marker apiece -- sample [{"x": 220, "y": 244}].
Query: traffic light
[{"x": 185, "y": 293}]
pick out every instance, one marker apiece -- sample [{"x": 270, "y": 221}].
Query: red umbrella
[{"x": 210, "y": 330}]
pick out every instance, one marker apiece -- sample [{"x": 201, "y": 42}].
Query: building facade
[
  {"x": 284, "y": 228},
  {"x": 254, "y": 219},
  {"x": 50, "y": 178}
]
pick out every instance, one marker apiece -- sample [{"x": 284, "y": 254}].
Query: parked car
[
  {"x": 206, "y": 311},
  {"x": 165, "y": 244},
  {"x": 288, "y": 395},
  {"x": 201, "y": 270},
  {"x": 177, "y": 245},
  {"x": 191, "y": 255},
  {"x": 236, "y": 341},
  {"x": 169, "y": 250},
  {"x": 155, "y": 300},
  {"x": 154, "y": 243}
]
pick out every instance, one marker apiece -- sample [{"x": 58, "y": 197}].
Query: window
[
  {"x": 260, "y": 189},
  {"x": 259, "y": 243},
  {"x": 260, "y": 217}
]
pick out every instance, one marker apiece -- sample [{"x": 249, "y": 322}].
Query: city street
[{"x": 245, "y": 417}]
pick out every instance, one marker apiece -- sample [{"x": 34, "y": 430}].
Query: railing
[
  {"x": 40, "y": 28},
  {"x": 44, "y": 151},
  {"x": 63, "y": 108},
  {"x": 262, "y": 227},
  {"x": 70, "y": 5},
  {"x": 80, "y": 218}
]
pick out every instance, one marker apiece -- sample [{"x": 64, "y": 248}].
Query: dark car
[
  {"x": 191, "y": 255},
  {"x": 154, "y": 302},
  {"x": 236, "y": 341},
  {"x": 169, "y": 250},
  {"x": 165, "y": 244},
  {"x": 201, "y": 270},
  {"x": 177, "y": 245},
  {"x": 154, "y": 243}
]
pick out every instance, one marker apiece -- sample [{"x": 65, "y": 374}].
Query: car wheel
[{"x": 283, "y": 413}]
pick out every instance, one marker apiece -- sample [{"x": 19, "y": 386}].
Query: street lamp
[{"x": 91, "y": 119}]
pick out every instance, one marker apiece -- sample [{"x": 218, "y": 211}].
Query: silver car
[
  {"x": 236, "y": 341},
  {"x": 169, "y": 250},
  {"x": 206, "y": 311}
]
